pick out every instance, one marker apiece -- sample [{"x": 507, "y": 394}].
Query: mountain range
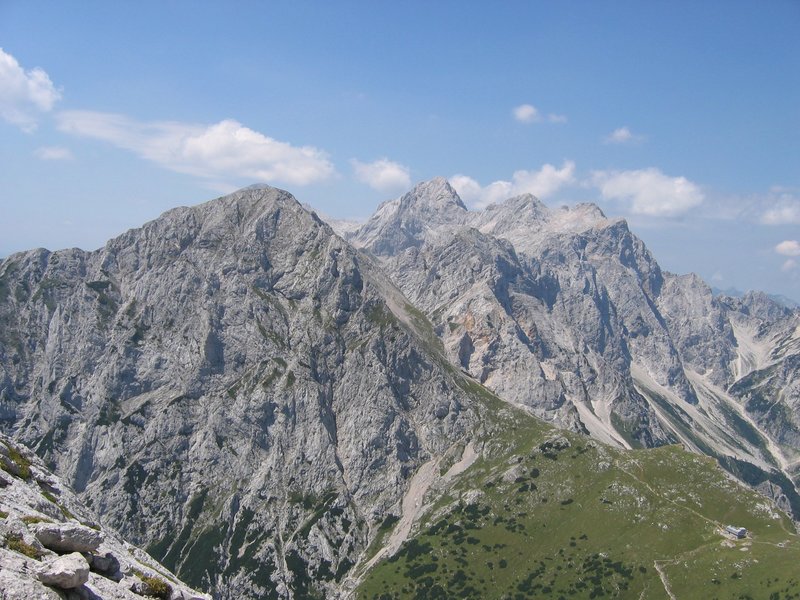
[{"x": 273, "y": 410}]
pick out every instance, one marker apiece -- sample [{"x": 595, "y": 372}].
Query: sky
[{"x": 682, "y": 117}]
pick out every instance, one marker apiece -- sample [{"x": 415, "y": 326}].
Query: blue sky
[{"x": 683, "y": 117}]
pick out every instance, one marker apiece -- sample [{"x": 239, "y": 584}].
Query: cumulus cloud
[
  {"x": 53, "y": 153},
  {"x": 784, "y": 211},
  {"x": 542, "y": 183},
  {"x": 788, "y": 248},
  {"x": 623, "y": 135},
  {"x": 383, "y": 174},
  {"x": 24, "y": 94},
  {"x": 224, "y": 149},
  {"x": 649, "y": 191},
  {"x": 526, "y": 113}
]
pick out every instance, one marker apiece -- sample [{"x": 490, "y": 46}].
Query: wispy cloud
[
  {"x": 788, "y": 248},
  {"x": 784, "y": 209},
  {"x": 623, "y": 135},
  {"x": 542, "y": 184},
  {"x": 788, "y": 265},
  {"x": 383, "y": 174},
  {"x": 53, "y": 153},
  {"x": 24, "y": 95},
  {"x": 224, "y": 149},
  {"x": 526, "y": 113},
  {"x": 649, "y": 191}
]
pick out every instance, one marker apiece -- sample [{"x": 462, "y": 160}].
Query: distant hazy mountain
[{"x": 734, "y": 293}]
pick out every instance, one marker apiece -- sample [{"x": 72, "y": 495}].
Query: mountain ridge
[
  {"x": 663, "y": 340},
  {"x": 256, "y": 401}
]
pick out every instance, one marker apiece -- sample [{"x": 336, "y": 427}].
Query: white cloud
[
  {"x": 24, "y": 94},
  {"x": 553, "y": 118},
  {"x": 788, "y": 248},
  {"x": 542, "y": 183},
  {"x": 786, "y": 211},
  {"x": 53, "y": 153},
  {"x": 789, "y": 265},
  {"x": 623, "y": 135},
  {"x": 649, "y": 191},
  {"x": 224, "y": 149},
  {"x": 383, "y": 174},
  {"x": 467, "y": 188},
  {"x": 526, "y": 113}
]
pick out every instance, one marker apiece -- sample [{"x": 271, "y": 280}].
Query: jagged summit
[
  {"x": 432, "y": 208},
  {"x": 417, "y": 215},
  {"x": 256, "y": 401},
  {"x": 230, "y": 375},
  {"x": 567, "y": 312},
  {"x": 434, "y": 195}
]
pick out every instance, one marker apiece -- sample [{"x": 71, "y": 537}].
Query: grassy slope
[{"x": 588, "y": 522}]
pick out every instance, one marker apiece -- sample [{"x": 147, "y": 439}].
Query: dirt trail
[{"x": 664, "y": 580}]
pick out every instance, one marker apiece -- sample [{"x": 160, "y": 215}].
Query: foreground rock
[
  {"x": 65, "y": 572},
  {"x": 67, "y": 537},
  {"x": 50, "y": 544}
]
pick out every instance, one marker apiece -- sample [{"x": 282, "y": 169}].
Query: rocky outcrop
[
  {"x": 231, "y": 386},
  {"x": 67, "y": 537},
  {"x": 51, "y": 545},
  {"x": 65, "y": 572}
]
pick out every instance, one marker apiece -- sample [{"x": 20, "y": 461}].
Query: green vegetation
[
  {"x": 23, "y": 465},
  {"x": 537, "y": 520},
  {"x": 49, "y": 497},
  {"x": 380, "y": 315},
  {"x": 33, "y": 519},
  {"x": 17, "y": 544},
  {"x": 156, "y": 587},
  {"x": 170, "y": 549},
  {"x": 3, "y": 514}
]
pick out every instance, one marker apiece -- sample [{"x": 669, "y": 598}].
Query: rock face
[
  {"x": 232, "y": 386},
  {"x": 50, "y": 543},
  {"x": 567, "y": 312},
  {"x": 249, "y": 396}
]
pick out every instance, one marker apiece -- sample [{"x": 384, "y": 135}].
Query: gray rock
[
  {"x": 65, "y": 572},
  {"x": 557, "y": 444},
  {"x": 514, "y": 473},
  {"x": 23, "y": 500},
  {"x": 241, "y": 360},
  {"x": 67, "y": 537},
  {"x": 106, "y": 565},
  {"x": 568, "y": 313},
  {"x": 233, "y": 368}
]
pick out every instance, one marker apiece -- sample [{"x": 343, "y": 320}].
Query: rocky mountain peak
[
  {"x": 435, "y": 198},
  {"x": 408, "y": 221}
]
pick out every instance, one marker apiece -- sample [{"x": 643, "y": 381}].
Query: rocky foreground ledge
[{"x": 51, "y": 546}]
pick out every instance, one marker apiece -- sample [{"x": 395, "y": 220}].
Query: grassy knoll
[{"x": 538, "y": 520}]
